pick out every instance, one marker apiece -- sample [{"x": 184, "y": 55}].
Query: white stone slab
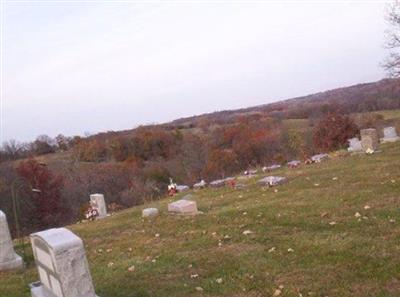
[
  {"x": 61, "y": 261},
  {"x": 183, "y": 206},
  {"x": 8, "y": 258},
  {"x": 97, "y": 201}
]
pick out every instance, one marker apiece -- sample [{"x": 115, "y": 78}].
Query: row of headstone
[{"x": 370, "y": 140}]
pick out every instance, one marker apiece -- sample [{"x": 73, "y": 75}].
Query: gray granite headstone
[
  {"x": 97, "y": 202},
  {"x": 8, "y": 258},
  {"x": 369, "y": 139},
  {"x": 61, "y": 262}
]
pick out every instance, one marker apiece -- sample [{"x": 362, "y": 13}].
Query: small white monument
[
  {"x": 8, "y": 258},
  {"x": 390, "y": 135},
  {"x": 183, "y": 206},
  {"x": 354, "y": 145},
  {"x": 61, "y": 262},
  {"x": 150, "y": 212},
  {"x": 97, "y": 202}
]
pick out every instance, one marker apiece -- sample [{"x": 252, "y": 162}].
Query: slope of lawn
[{"x": 305, "y": 238}]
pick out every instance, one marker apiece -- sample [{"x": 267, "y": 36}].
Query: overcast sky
[{"x": 88, "y": 67}]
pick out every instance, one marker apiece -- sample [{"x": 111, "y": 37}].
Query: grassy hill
[{"x": 305, "y": 238}]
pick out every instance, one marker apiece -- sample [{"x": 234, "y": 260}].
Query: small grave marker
[
  {"x": 183, "y": 206},
  {"x": 97, "y": 202}
]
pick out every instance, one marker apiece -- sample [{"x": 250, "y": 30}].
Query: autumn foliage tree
[
  {"x": 333, "y": 131},
  {"x": 43, "y": 207}
]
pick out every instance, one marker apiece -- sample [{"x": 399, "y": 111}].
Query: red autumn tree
[
  {"x": 221, "y": 163},
  {"x": 333, "y": 131},
  {"x": 43, "y": 192}
]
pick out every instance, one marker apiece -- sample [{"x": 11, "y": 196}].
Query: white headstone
[
  {"x": 8, "y": 258},
  {"x": 61, "y": 262},
  {"x": 390, "y": 135},
  {"x": 150, "y": 212},
  {"x": 272, "y": 180},
  {"x": 354, "y": 145},
  {"x": 183, "y": 207},
  {"x": 97, "y": 202}
]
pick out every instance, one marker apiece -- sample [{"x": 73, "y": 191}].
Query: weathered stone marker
[
  {"x": 390, "y": 135},
  {"x": 369, "y": 139},
  {"x": 61, "y": 262},
  {"x": 8, "y": 258},
  {"x": 97, "y": 202},
  {"x": 183, "y": 206}
]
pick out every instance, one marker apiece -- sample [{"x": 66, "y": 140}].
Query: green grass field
[{"x": 305, "y": 237}]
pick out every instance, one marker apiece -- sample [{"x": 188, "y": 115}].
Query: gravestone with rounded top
[
  {"x": 369, "y": 139},
  {"x": 390, "y": 135},
  {"x": 8, "y": 258},
  {"x": 61, "y": 262},
  {"x": 97, "y": 202}
]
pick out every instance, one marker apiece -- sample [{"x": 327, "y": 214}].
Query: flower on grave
[{"x": 92, "y": 213}]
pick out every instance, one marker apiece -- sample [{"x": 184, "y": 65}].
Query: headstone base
[
  {"x": 17, "y": 263},
  {"x": 391, "y": 139},
  {"x": 37, "y": 290}
]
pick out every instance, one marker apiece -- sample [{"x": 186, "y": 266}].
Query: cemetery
[{"x": 283, "y": 226}]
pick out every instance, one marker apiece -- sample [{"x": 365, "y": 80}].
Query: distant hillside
[{"x": 380, "y": 95}]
